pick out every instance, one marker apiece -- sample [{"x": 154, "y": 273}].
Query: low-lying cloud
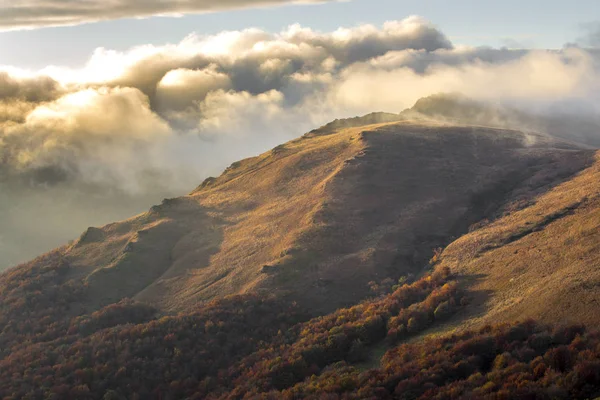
[
  {"x": 237, "y": 93},
  {"x": 171, "y": 115},
  {"x": 220, "y": 97}
]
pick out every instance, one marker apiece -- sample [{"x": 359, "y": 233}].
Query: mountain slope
[
  {"x": 318, "y": 218},
  {"x": 540, "y": 262},
  {"x": 302, "y": 230}
]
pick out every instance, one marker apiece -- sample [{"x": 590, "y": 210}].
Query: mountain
[
  {"x": 318, "y": 218},
  {"x": 301, "y": 272}
]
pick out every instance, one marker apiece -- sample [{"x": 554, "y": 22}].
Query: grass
[
  {"x": 333, "y": 212},
  {"x": 542, "y": 261}
]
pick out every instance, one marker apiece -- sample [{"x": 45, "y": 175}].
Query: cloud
[
  {"x": 104, "y": 135},
  {"x": 189, "y": 109},
  {"x": 180, "y": 87},
  {"x": 29, "y": 14},
  {"x": 255, "y": 60},
  {"x": 19, "y": 94},
  {"x": 35, "y": 89},
  {"x": 534, "y": 78},
  {"x": 592, "y": 35}
]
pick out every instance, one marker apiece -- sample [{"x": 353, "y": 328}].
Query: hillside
[
  {"x": 541, "y": 261},
  {"x": 389, "y": 232},
  {"x": 258, "y": 347},
  {"x": 318, "y": 218}
]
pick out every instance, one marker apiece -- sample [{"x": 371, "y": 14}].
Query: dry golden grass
[
  {"x": 327, "y": 213},
  {"x": 541, "y": 262}
]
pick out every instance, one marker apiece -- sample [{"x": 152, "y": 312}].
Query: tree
[
  {"x": 113, "y": 395},
  {"x": 358, "y": 352}
]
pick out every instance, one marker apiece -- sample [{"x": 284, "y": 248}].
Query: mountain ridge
[
  {"x": 319, "y": 217},
  {"x": 395, "y": 260}
]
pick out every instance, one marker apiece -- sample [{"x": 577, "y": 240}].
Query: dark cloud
[
  {"x": 257, "y": 61},
  {"x": 20, "y": 95},
  {"x": 30, "y": 89},
  {"x": 27, "y": 14}
]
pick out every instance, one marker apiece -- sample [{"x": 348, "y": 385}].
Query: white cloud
[
  {"x": 105, "y": 135},
  {"x": 390, "y": 84},
  {"x": 181, "y": 87},
  {"x": 237, "y": 93}
]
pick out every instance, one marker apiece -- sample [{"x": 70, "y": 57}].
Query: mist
[{"x": 87, "y": 146}]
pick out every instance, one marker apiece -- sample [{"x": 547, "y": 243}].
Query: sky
[
  {"x": 511, "y": 23},
  {"x": 101, "y": 120}
]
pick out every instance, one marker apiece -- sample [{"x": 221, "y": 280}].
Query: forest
[{"x": 253, "y": 346}]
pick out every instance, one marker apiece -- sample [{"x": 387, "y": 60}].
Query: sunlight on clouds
[
  {"x": 182, "y": 88},
  {"x": 231, "y": 111},
  {"x": 234, "y": 94},
  {"x": 539, "y": 76},
  {"x": 105, "y": 134}
]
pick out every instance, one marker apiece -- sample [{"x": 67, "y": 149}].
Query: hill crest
[{"x": 319, "y": 217}]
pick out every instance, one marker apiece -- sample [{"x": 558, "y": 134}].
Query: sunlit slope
[
  {"x": 317, "y": 218},
  {"x": 540, "y": 262}
]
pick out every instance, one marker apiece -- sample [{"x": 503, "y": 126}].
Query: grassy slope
[
  {"x": 541, "y": 262},
  {"x": 325, "y": 213}
]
